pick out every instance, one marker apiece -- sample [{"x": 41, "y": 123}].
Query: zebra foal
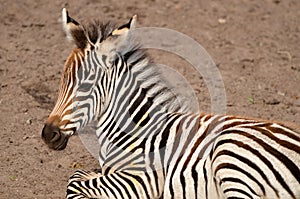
[{"x": 150, "y": 146}]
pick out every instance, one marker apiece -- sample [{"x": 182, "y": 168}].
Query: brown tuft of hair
[
  {"x": 79, "y": 38},
  {"x": 91, "y": 32}
]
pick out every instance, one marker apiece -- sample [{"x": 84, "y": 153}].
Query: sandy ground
[{"x": 255, "y": 45}]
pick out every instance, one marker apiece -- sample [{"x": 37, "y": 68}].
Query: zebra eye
[{"x": 92, "y": 70}]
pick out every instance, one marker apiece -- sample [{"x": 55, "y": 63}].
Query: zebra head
[{"x": 80, "y": 98}]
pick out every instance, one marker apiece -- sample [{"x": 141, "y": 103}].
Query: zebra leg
[
  {"x": 74, "y": 190},
  {"x": 82, "y": 175},
  {"x": 121, "y": 184}
]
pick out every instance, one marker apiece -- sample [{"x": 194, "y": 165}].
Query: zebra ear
[
  {"x": 74, "y": 31},
  {"x": 124, "y": 29}
]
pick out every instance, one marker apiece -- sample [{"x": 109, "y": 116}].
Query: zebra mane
[
  {"x": 92, "y": 32},
  {"x": 98, "y": 31},
  {"x": 138, "y": 60}
]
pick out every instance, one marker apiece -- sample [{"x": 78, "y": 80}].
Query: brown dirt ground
[{"x": 257, "y": 51}]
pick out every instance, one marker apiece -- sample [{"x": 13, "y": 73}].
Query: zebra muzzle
[{"x": 54, "y": 138}]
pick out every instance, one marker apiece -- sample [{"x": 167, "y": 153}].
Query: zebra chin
[{"x": 54, "y": 138}]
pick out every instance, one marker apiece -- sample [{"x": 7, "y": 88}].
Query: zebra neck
[{"x": 140, "y": 101}]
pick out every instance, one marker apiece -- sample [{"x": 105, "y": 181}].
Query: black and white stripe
[{"x": 151, "y": 147}]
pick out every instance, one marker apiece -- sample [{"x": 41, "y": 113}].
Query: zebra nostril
[{"x": 55, "y": 136}]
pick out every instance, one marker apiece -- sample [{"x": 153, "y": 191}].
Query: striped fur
[{"x": 150, "y": 145}]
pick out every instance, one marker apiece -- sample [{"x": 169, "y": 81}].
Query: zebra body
[
  {"x": 221, "y": 157},
  {"x": 150, "y": 146}
]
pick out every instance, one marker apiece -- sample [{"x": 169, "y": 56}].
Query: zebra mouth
[
  {"x": 62, "y": 145},
  {"x": 59, "y": 144}
]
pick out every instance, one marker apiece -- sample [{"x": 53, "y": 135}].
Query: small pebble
[
  {"x": 280, "y": 93},
  {"x": 221, "y": 21},
  {"x": 273, "y": 102},
  {"x": 25, "y": 137}
]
